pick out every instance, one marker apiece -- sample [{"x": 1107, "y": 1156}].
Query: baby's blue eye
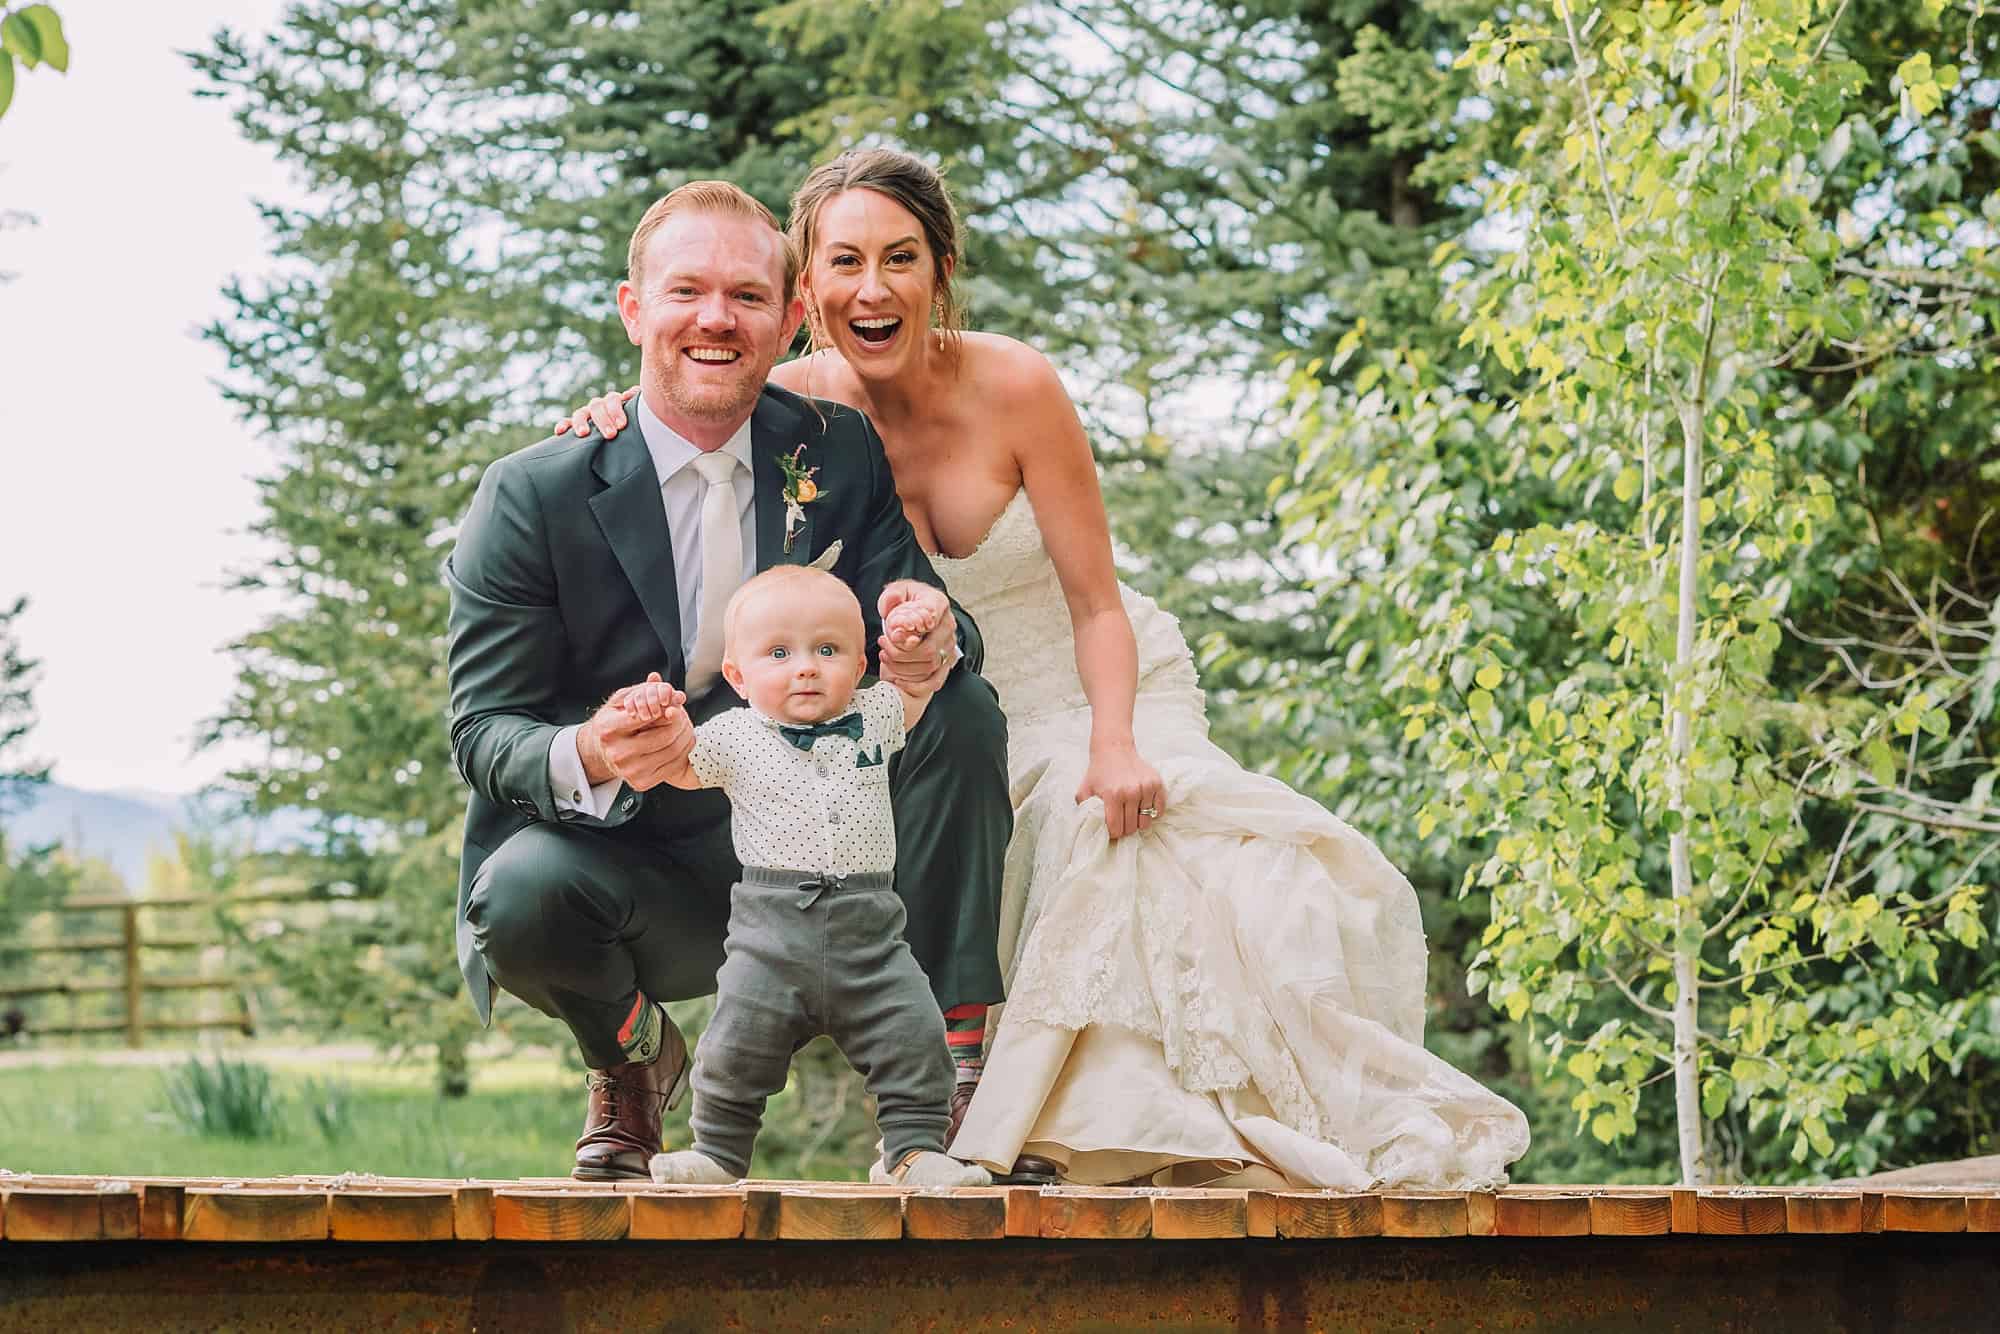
[
  {"x": 780, "y": 652},
  {"x": 826, "y": 650}
]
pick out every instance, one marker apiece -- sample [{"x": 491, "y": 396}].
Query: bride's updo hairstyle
[{"x": 912, "y": 183}]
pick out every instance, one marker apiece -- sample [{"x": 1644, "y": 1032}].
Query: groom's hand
[
  {"x": 924, "y": 664},
  {"x": 617, "y": 743}
]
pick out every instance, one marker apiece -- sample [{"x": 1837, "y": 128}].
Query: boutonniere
[{"x": 800, "y": 491}]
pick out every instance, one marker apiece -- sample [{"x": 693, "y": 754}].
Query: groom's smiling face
[{"x": 709, "y": 317}]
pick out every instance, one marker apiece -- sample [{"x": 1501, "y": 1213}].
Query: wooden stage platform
[{"x": 355, "y": 1252}]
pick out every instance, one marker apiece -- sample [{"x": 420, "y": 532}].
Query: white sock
[
  {"x": 938, "y": 1170},
  {"x": 686, "y": 1167}
]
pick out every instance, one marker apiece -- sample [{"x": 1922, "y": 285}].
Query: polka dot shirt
[{"x": 826, "y": 811}]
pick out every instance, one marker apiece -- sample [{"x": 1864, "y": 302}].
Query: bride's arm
[{"x": 1061, "y": 480}]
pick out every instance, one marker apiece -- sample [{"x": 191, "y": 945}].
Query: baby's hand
[
  {"x": 652, "y": 701},
  {"x": 907, "y": 623}
]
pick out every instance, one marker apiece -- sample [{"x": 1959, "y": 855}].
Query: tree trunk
[
  {"x": 1687, "y": 937},
  {"x": 454, "y": 1066}
]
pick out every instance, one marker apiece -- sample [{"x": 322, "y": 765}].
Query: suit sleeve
[
  {"x": 890, "y": 552},
  {"x": 505, "y": 646}
]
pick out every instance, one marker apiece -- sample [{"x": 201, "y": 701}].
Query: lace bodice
[{"x": 1010, "y": 586}]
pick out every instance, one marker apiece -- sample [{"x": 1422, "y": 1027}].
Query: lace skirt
[{"x": 1235, "y": 994}]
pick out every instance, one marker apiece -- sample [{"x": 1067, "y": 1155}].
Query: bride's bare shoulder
[
  {"x": 1009, "y": 369},
  {"x": 819, "y": 374}
]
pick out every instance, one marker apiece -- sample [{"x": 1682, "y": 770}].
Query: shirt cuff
[{"x": 574, "y": 793}]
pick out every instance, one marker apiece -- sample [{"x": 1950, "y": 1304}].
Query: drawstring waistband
[{"x": 816, "y": 883}]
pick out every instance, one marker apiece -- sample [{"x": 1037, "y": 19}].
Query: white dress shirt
[
  {"x": 825, "y": 809},
  {"x": 681, "y": 491}
]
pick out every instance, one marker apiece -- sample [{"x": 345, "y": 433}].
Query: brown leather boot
[
  {"x": 1030, "y": 1169},
  {"x": 621, "y": 1128}
]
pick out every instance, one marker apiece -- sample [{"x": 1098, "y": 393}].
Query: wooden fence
[{"x": 131, "y": 942}]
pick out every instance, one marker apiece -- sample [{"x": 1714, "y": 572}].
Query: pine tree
[
  {"x": 30, "y": 878},
  {"x": 473, "y": 172}
]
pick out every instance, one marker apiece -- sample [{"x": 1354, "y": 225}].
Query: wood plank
[
  {"x": 1095, "y": 1215},
  {"x": 967, "y": 1215},
  {"x": 827, "y": 1216},
  {"x": 1024, "y": 1211},
  {"x": 560, "y": 1215},
  {"x": 1622, "y": 1215},
  {"x": 1982, "y": 1213},
  {"x": 53, "y": 1215},
  {"x": 209, "y": 1214},
  {"x": 1480, "y": 1207},
  {"x": 690, "y": 1214},
  {"x": 160, "y": 1207},
  {"x": 1871, "y": 1211},
  {"x": 1260, "y": 1214},
  {"x": 1185, "y": 1216},
  {"x": 390, "y": 1215},
  {"x": 1319, "y": 1214},
  {"x": 1822, "y": 1214},
  {"x": 1541, "y": 1215},
  {"x": 1686, "y": 1214},
  {"x": 1426, "y": 1215},
  {"x": 760, "y": 1214},
  {"x": 120, "y": 1210},
  {"x": 1923, "y": 1213},
  {"x": 1740, "y": 1215},
  {"x": 472, "y": 1213}
]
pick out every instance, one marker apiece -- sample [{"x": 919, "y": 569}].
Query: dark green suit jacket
[{"x": 563, "y": 589}]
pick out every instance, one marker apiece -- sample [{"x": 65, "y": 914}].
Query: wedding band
[
  {"x": 1150, "y": 811},
  {"x": 942, "y": 655}
]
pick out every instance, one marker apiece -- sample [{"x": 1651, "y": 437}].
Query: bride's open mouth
[{"x": 876, "y": 331}]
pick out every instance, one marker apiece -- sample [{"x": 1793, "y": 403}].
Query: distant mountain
[{"x": 124, "y": 828}]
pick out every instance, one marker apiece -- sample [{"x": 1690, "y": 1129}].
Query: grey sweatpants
[{"x": 800, "y": 961}]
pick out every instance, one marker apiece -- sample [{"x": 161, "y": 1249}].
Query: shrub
[{"x": 227, "y": 1098}]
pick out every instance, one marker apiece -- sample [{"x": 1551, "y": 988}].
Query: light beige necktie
[{"x": 721, "y": 566}]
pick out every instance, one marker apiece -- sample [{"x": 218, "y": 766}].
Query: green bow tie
[{"x": 847, "y": 725}]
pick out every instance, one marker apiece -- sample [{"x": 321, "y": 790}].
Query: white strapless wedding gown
[{"x": 1234, "y": 996}]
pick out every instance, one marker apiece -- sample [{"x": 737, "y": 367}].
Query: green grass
[{"x": 521, "y": 1119}]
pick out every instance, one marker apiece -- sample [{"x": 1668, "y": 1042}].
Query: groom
[{"x": 588, "y": 887}]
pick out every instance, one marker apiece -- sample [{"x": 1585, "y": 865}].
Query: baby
[{"x": 815, "y": 941}]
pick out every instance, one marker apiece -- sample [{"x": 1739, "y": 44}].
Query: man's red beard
[{"x": 714, "y": 401}]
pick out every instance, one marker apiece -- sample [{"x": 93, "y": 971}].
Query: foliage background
[{"x": 1286, "y": 255}]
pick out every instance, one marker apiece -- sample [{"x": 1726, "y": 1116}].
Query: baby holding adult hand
[{"x": 815, "y": 940}]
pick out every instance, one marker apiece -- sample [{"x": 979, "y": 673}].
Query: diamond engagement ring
[{"x": 1152, "y": 811}]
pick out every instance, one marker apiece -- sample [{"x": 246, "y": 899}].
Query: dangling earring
[
  {"x": 815, "y": 331},
  {"x": 939, "y": 312}
]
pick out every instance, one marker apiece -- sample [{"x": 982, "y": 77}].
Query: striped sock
[
  {"x": 965, "y": 1034},
  {"x": 639, "y": 1036}
]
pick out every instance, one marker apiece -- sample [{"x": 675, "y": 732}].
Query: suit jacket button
[{"x": 626, "y": 805}]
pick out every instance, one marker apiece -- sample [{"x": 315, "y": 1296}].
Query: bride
[{"x": 1211, "y": 979}]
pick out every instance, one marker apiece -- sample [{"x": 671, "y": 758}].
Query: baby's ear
[{"x": 734, "y": 675}]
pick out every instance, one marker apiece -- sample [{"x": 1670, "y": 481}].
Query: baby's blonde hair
[{"x": 785, "y": 576}]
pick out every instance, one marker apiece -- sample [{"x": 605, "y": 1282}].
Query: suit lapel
[
  {"x": 633, "y": 519},
  {"x": 775, "y": 431}
]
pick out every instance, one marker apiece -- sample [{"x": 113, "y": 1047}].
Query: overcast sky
[{"x": 124, "y": 479}]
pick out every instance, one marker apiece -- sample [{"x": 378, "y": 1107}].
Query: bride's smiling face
[{"x": 872, "y": 281}]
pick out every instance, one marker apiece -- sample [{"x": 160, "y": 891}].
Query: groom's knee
[
  {"x": 963, "y": 723},
  {"x": 527, "y": 890}
]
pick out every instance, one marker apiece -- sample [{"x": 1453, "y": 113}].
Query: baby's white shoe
[
  {"x": 938, "y": 1171},
  {"x": 686, "y": 1167}
]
